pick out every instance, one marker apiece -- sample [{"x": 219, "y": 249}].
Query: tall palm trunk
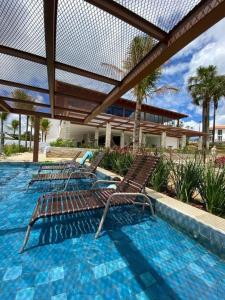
[
  {"x": 214, "y": 121},
  {"x": 19, "y": 134},
  {"x": 205, "y": 123},
  {"x": 136, "y": 130},
  {"x": 27, "y": 124}
]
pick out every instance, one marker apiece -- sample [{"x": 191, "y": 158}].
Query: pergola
[{"x": 76, "y": 42}]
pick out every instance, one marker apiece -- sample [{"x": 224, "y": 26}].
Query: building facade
[
  {"x": 84, "y": 135},
  {"x": 219, "y": 133}
]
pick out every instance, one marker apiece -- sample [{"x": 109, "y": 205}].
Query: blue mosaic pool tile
[
  {"x": 25, "y": 294},
  {"x": 56, "y": 273},
  {"x": 42, "y": 292},
  {"x": 62, "y": 296},
  {"x": 209, "y": 259},
  {"x": 136, "y": 250},
  {"x": 195, "y": 268},
  {"x": 100, "y": 271},
  {"x": 147, "y": 279},
  {"x": 12, "y": 273},
  {"x": 42, "y": 278}
]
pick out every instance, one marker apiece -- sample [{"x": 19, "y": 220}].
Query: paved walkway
[{"x": 28, "y": 157}]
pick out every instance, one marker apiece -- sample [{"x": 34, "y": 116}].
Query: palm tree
[
  {"x": 3, "y": 117},
  {"x": 139, "y": 47},
  {"x": 201, "y": 90},
  {"x": 45, "y": 126},
  {"x": 14, "y": 124},
  {"x": 22, "y": 95},
  {"x": 218, "y": 93}
]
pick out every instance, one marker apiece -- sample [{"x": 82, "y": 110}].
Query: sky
[
  {"x": 207, "y": 49},
  {"x": 82, "y": 42}
]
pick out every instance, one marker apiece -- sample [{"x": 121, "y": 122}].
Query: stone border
[{"x": 208, "y": 229}]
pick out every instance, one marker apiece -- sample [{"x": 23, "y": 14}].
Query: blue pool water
[{"x": 135, "y": 258}]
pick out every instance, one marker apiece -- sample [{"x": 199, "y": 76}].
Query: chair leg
[
  {"x": 103, "y": 218},
  {"x": 29, "y": 184},
  {"x": 26, "y": 238}
]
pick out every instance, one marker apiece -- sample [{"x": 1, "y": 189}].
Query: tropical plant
[
  {"x": 201, "y": 89},
  {"x": 218, "y": 93},
  {"x": 159, "y": 177},
  {"x": 62, "y": 143},
  {"x": 139, "y": 47},
  {"x": 3, "y": 117},
  {"x": 117, "y": 161},
  {"x": 185, "y": 178},
  {"x": 15, "y": 125},
  {"x": 212, "y": 190},
  {"x": 13, "y": 148},
  {"x": 22, "y": 95},
  {"x": 45, "y": 127}
]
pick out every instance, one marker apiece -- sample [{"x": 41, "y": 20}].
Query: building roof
[
  {"x": 90, "y": 36},
  {"x": 218, "y": 127},
  {"x": 85, "y": 100}
]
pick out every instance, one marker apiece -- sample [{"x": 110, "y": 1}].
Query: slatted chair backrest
[
  {"x": 139, "y": 173},
  {"x": 96, "y": 161}
]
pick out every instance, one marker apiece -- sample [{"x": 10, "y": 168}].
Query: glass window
[{"x": 219, "y": 131}]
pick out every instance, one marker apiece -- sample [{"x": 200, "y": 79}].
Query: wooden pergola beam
[
  {"x": 4, "y": 106},
  {"x": 23, "y": 86},
  {"x": 24, "y": 55},
  {"x": 50, "y": 19},
  {"x": 202, "y": 17},
  {"x": 85, "y": 73},
  {"x": 14, "y": 100},
  {"x": 129, "y": 17}
]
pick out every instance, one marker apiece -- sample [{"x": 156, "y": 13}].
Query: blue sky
[{"x": 207, "y": 49}]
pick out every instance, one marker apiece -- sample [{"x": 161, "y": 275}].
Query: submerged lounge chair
[
  {"x": 66, "y": 164},
  {"x": 73, "y": 172},
  {"x": 131, "y": 190}
]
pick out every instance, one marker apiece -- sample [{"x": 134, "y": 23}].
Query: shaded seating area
[
  {"x": 73, "y": 172},
  {"x": 131, "y": 190}
]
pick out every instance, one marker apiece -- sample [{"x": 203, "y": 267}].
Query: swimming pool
[{"x": 135, "y": 258}]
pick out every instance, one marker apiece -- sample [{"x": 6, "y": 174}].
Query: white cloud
[
  {"x": 192, "y": 124},
  {"x": 175, "y": 68}
]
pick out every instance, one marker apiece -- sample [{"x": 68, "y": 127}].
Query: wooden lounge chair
[
  {"x": 60, "y": 165},
  {"x": 70, "y": 173},
  {"x": 131, "y": 190}
]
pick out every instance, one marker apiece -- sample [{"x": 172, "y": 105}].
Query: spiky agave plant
[
  {"x": 185, "y": 177},
  {"x": 212, "y": 190}
]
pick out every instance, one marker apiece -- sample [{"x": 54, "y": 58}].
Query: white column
[
  {"x": 163, "y": 139},
  {"x": 140, "y": 137},
  {"x": 108, "y": 136},
  {"x": 96, "y": 136},
  {"x": 122, "y": 139},
  {"x": 183, "y": 141}
]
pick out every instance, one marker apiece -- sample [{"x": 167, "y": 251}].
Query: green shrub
[
  {"x": 212, "y": 190},
  {"x": 63, "y": 143},
  {"x": 117, "y": 161},
  {"x": 13, "y": 148},
  {"x": 159, "y": 177},
  {"x": 185, "y": 177}
]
